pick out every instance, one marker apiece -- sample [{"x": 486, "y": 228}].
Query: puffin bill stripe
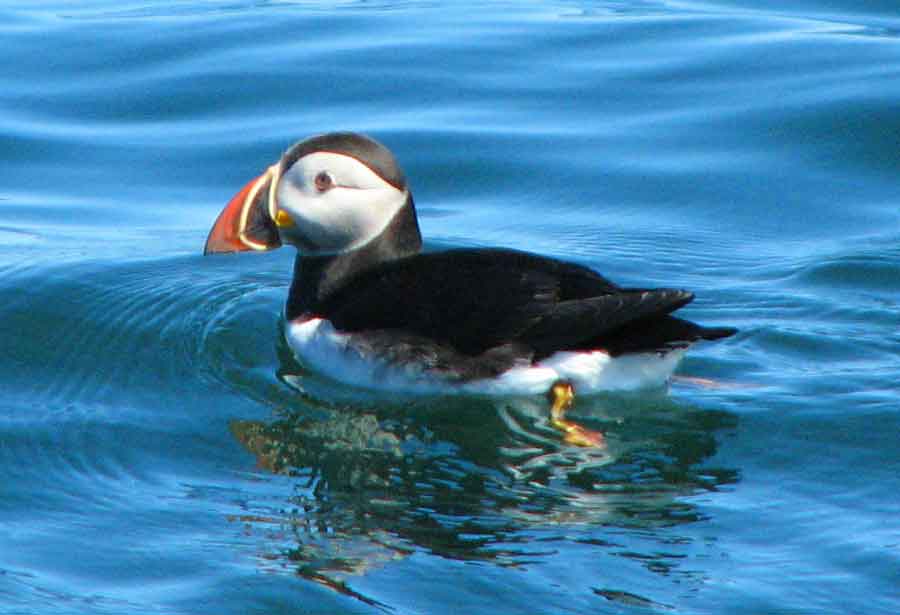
[
  {"x": 274, "y": 173},
  {"x": 271, "y": 173}
]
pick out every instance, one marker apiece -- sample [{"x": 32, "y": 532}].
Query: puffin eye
[{"x": 323, "y": 181}]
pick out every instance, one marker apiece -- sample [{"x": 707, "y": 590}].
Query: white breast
[{"x": 316, "y": 343}]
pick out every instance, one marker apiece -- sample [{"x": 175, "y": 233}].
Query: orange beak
[{"x": 248, "y": 222}]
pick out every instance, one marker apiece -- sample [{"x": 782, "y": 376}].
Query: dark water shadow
[{"x": 470, "y": 479}]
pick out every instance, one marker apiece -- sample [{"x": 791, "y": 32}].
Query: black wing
[{"x": 476, "y": 300}]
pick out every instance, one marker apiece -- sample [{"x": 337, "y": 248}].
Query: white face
[{"x": 335, "y": 202}]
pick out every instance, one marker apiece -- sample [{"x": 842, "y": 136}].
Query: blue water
[{"x": 162, "y": 452}]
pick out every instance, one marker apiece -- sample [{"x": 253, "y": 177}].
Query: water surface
[{"x": 161, "y": 451}]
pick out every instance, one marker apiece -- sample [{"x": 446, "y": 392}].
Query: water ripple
[{"x": 160, "y": 446}]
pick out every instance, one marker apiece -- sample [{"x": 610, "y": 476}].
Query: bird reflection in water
[{"x": 462, "y": 478}]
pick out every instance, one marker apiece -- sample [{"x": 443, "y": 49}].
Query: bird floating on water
[{"x": 368, "y": 307}]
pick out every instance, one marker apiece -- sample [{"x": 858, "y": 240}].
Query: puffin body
[{"x": 367, "y": 306}]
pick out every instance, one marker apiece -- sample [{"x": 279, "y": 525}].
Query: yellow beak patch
[{"x": 283, "y": 219}]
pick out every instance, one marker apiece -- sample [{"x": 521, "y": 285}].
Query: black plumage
[
  {"x": 474, "y": 313},
  {"x": 475, "y": 300}
]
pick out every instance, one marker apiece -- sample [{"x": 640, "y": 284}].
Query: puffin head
[{"x": 328, "y": 194}]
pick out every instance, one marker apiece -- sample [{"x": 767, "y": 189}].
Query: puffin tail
[{"x": 661, "y": 334}]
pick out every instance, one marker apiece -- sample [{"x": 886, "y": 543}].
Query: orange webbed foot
[{"x": 561, "y": 395}]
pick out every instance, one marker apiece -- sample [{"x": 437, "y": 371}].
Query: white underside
[{"x": 316, "y": 343}]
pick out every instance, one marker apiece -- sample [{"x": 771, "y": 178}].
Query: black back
[{"x": 502, "y": 306}]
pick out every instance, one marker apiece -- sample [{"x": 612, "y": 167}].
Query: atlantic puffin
[{"x": 368, "y": 307}]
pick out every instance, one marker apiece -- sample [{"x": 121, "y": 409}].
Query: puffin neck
[{"x": 317, "y": 277}]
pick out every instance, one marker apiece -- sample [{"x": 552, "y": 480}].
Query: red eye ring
[{"x": 323, "y": 181}]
